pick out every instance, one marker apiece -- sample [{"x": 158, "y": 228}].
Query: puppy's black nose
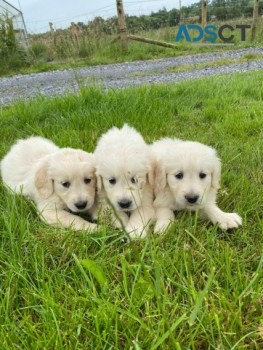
[
  {"x": 81, "y": 205},
  {"x": 191, "y": 199},
  {"x": 124, "y": 204}
]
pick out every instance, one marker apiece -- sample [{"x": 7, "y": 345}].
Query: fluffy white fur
[
  {"x": 125, "y": 179},
  {"x": 187, "y": 177},
  {"x": 58, "y": 180}
]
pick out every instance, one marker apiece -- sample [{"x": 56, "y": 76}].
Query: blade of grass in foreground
[
  {"x": 167, "y": 333},
  {"x": 200, "y": 298}
]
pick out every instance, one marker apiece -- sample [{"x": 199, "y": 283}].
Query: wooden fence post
[
  {"x": 204, "y": 13},
  {"x": 255, "y": 19},
  {"x": 122, "y": 25}
]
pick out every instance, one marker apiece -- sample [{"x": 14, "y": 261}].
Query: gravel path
[{"x": 122, "y": 75}]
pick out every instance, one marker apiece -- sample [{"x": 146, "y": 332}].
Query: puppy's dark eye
[
  {"x": 133, "y": 180},
  {"x": 66, "y": 184},
  {"x": 87, "y": 180},
  {"x": 179, "y": 176},
  {"x": 202, "y": 175},
  {"x": 112, "y": 181}
]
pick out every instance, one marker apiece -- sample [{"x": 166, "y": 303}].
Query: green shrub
[
  {"x": 38, "y": 49},
  {"x": 12, "y": 56},
  {"x": 84, "y": 50}
]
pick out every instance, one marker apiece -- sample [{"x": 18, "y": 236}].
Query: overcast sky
[{"x": 38, "y": 13}]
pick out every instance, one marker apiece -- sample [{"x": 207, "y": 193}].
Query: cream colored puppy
[
  {"x": 61, "y": 181},
  {"x": 125, "y": 179},
  {"x": 187, "y": 177}
]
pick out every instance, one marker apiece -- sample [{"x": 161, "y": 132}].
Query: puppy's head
[
  {"x": 69, "y": 174},
  {"x": 124, "y": 184},
  {"x": 192, "y": 172},
  {"x": 124, "y": 167}
]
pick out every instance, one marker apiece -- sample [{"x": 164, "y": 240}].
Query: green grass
[{"x": 194, "y": 287}]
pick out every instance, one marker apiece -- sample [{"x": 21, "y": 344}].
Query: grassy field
[{"x": 194, "y": 287}]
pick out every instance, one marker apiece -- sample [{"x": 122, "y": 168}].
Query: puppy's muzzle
[
  {"x": 191, "y": 199},
  {"x": 125, "y": 204},
  {"x": 81, "y": 205}
]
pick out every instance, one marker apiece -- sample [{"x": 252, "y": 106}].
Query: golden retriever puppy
[
  {"x": 187, "y": 177},
  {"x": 125, "y": 179},
  {"x": 61, "y": 181}
]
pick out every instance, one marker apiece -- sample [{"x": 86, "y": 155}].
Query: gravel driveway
[{"x": 122, "y": 75}]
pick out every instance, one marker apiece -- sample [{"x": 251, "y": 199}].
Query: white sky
[{"x": 38, "y": 13}]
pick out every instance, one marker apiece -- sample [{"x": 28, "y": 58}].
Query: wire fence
[
  {"x": 188, "y": 10},
  {"x": 9, "y": 11},
  {"x": 84, "y": 33},
  {"x": 221, "y": 10},
  {"x": 95, "y": 36}
]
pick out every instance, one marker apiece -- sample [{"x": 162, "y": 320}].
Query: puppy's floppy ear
[
  {"x": 43, "y": 183},
  {"x": 216, "y": 172},
  {"x": 151, "y": 173},
  {"x": 160, "y": 178}
]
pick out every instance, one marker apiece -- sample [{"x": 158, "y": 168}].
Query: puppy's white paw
[
  {"x": 161, "y": 226},
  {"x": 82, "y": 226},
  {"x": 229, "y": 220},
  {"x": 117, "y": 224},
  {"x": 136, "y": 232},
  {"x": 120, "y": 221}
]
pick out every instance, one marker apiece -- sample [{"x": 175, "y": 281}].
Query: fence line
[
  {"x": 255, "y": 19},
  {"x": 202, "y": 17}
]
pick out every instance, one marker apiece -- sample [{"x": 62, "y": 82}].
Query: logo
[{"x": 210, "y": 33}]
